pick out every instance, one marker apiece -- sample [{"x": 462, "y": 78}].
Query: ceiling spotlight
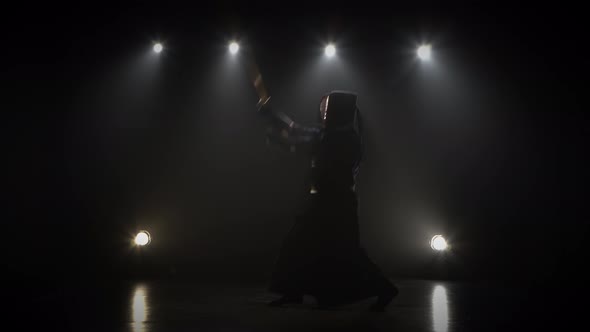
[
  {"x": 424, "y": 52},
  {"x": 158, "y": 47},
  {"x": 438, "y": 243},
  {"x": 143, "y": 238},
  {"x": 234, "y": 48},
  {"x": 330, "y": 50}
]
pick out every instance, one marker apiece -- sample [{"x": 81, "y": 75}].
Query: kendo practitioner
[{"x": 322, "y": 255}]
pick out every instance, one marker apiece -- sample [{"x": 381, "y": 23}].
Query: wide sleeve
[{"x": 283, "y": 131}]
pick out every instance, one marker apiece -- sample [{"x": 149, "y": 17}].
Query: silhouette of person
[{"x": 322, "y": 255}]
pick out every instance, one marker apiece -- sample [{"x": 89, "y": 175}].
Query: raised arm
[{"x": 281, "y": 129}]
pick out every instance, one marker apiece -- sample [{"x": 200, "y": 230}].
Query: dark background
[{"x": 486, "y": 144}]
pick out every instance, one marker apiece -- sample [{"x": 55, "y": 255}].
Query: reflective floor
[{"x": 185, "y": 306}]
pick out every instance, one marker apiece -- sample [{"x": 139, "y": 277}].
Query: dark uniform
[{"x": 322, "y": 256}]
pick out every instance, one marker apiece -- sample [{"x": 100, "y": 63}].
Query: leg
[{"x": 387, "y": 292}]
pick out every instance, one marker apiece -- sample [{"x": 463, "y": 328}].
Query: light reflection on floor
[
  {"x": 140, "y": 308},
  {"x": 440, "y": 309},
  {"x": 186, "y": 305}
]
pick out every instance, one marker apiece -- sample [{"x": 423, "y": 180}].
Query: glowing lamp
[
  {"x": 424, "y": 52},
  {"x": 158, "y": 47},
  {"x": 143, "y": 238},
  {"x": 234, "y": 48},
  {"x": 330, "y": 50},
  {"x": 438, "y": 243}
]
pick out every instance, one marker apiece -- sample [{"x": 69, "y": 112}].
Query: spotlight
[
  {"x": 438, "y": 243},
  {"x": 158, "y": 47},
  {"x": 143, "y": 238},
  {"x": 330, "y": 50},
  {"x": 424, "y": 52},
  {"x": 234, "y": 48}
]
